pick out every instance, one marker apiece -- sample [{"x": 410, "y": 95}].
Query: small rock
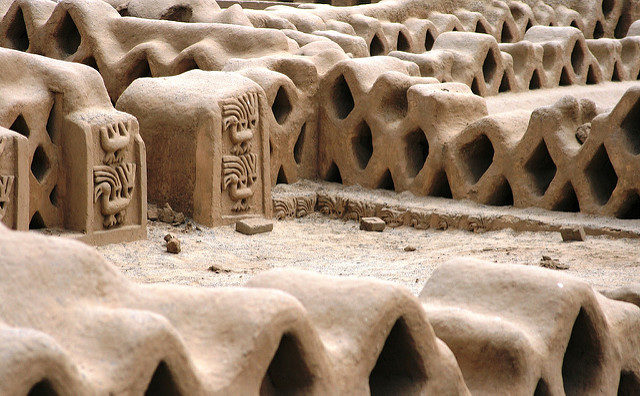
[
  {"x": 548, "y": 262},
  {"x": 571, "y": 234},
  {"x": 409, "y": 248},
  {"x": 165, "y": 214},
  {"x": 173, "y": 246},
  {"x": 583, "y": 131},
  {"x": 167, "y": 237},
  {"x": 217, "y": 269},
  {"x": 254, "y": 226},
  {"x": 152, "y": 212},
  {"x": 178, "y": 218},
  {"x": 188, "y": 227},
  {"x": 372, "y": 224}
]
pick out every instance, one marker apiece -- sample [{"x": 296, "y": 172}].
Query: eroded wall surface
[{"x": 72, "y": 324}]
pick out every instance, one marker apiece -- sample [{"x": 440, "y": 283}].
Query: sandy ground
[{"x": 336, "y": 247}]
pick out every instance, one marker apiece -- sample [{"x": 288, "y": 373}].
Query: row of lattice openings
[{"x": 44, "y": 195}]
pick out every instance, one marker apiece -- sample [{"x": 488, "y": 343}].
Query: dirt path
[{"x": 336, "y": 247}]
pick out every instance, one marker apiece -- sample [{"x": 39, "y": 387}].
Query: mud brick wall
[
  {"x": 76, "y": 163},
  {"x": 476, "y": 327}
]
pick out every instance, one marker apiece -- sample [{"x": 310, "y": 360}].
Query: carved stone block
[
  {"x": 70, "y": 162},
  {"x": 207, "y": 141}
]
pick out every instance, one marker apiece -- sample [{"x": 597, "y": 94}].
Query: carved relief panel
[
  {"x": 241, "y": 155},
  {"x": 114, "y": 178}
]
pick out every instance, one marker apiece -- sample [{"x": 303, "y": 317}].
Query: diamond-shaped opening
[
  {"x": 591, "y": 76},
  {"x": 542, "y": 389},
  {"x": 616, "y": 73},
  {"x": 568, "y": 201},
  {"x": 386, "y": 182},
  {"x": 68, "y": 36},
  {"x": 502, "y": 195},
  {"x": 17, "y": 32},
  {"x": 440, "y": 185},
  {"x": 37, "y": 222},
  {"x": 282, "y": 178},
  {"x": 51, "y": 127},
  {"x": 140, "y": 70},
  {"x": 607, "y": 7},
  {"x": 416, "y": 151},
  {"x": 402, "y": 44},
  {"x": 582, "y": 363},
  {"x": 53, "y": 196},
  {"x": 281, "y": 106},
  {"x": 564, "y": 78},
  {"x": 297, "y": 148},
  {"x": 601, "y": 176},
  {"x": 480, "y": 28},
  {"x": 400, "y": 367},
  {"x": 376, "y": 47},
  {"x": 630, "y": 127},
  {"x": 429, "y": 40},
  {"x": 489, "y": 66},
  {"x": 333, "y": 174},
  {"x": 477, "y": 155},
  {"x": 541, "y": 168},
  {"x": 506, "y": 36},
  {"x": 162, "y": 382},
  {"x": 362, "y": 145},
  {"x": 475, "y": 88},
  {"x": 40, "y": 164},
  {"x": 178, "y": 13},
  {"x": 598, "y": 30},
  {"x": 630, "y": 208},
  {"x": 20, "y": 126},
  {"x": 42, "y": 388},
  {"x": 342, "y": 102},
  {"x": 91, "y": 62},
  {"x": 529, "y": 25},
  {"x": 577, "y": 58},
  {"x": 535, "y": 83},
  {"x": 622, "y": 27},
  {"x": 288, "y": 373},
  {"x": 185, "y": 65},
  {"x": 629, "y": 384},
  {"x": 505, "y": 85}
]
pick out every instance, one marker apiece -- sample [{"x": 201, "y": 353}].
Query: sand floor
[{"x": 336, "y": 247}]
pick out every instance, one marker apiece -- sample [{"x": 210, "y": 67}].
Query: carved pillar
[{"x": 207, "y": 143}]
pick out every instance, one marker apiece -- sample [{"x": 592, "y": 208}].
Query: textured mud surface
[{"x": 336, "y": 247}]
